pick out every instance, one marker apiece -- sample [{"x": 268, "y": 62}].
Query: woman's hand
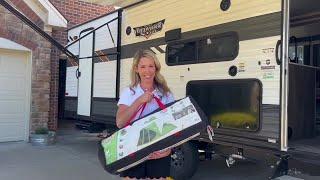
[
  {"x": 125, "y": 112},
  {"x": 159, "y": 154},
  {"x": 146, "y": 97}
]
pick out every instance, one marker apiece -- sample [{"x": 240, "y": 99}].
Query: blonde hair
[{"x": 159, "y": 80}]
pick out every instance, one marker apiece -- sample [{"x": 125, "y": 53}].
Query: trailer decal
[
  {"x": 147, "y": 30},
  {"x": 157, "y": 50},
  {"x": 268, "y": 75},
  {"x": 242, "y": 67}
]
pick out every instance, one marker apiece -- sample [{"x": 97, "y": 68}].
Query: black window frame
[{"x": 197, "y": 40}]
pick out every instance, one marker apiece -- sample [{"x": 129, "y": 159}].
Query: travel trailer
[{"x": 252, "y": 66}]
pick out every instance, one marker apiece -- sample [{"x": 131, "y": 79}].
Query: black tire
[{"x": 184, "y": 161}]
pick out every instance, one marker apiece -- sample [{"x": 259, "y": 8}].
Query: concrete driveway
[{"x": 74, "y": 157}]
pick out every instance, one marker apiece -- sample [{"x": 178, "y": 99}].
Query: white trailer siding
[
  {"x": 71, "y": 82},
  {"x": 250, "y": 52},
  {"x": 103, "y": 39},
  {"x": 105, "y": 79},
  {"x": 204, "y": 14},
  {"x": 191, "y": 15},
  {"x": 98, "y": 74}
]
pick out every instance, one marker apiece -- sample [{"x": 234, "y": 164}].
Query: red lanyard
[{"x": 160, "y": 104}]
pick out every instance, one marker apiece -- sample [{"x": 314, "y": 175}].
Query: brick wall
[
  {"x": 15, "y": 30},
  {"x": 79, "y": 11},
  {"x": 21, "y": 5},
  {"x": 75, "y": 12}
]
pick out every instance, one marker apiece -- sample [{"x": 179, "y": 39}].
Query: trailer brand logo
[{"x": 148, "y": 30}]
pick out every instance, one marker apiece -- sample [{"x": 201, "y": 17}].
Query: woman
[{"x": 146, "y": 82}]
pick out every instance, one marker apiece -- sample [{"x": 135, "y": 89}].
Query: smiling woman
[{"x": 146, "y": 84}]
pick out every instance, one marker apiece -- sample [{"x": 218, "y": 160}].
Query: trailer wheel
[{"x": 184, "y": 161}]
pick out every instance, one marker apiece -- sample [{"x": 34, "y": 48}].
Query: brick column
[{"x": 60, "y": 36}]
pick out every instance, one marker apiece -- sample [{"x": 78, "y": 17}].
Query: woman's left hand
[{"x": 159, "y": 154}]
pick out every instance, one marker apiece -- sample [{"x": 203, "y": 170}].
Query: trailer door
[{"x": 85, "y": 74}]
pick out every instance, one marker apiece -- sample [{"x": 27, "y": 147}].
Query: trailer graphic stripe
[
  {"x": 251, "y": 28},
  {"x": 247, "y": 29},
  {"x": 160, "y": 49}
]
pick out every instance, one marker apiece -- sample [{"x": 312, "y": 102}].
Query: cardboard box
[{"x": 179, "y": 122}]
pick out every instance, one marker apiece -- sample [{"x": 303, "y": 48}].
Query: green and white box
[{"x": 131, "y": 145}]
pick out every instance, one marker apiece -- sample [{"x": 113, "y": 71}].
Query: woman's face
[{"x": 146, "y": 70}]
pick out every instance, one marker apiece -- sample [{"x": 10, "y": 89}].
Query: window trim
[{"x": 197, "y": 40}]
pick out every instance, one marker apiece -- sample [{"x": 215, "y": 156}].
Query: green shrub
[{"x": 41, "y": 130}]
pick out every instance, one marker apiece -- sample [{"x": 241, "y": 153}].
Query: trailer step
[{"x": 286, "y": 177}]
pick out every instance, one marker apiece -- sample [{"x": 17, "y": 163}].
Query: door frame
[{"x": 284, "y": 81}]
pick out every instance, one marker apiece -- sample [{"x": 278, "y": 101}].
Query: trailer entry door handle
[
  {"x": 278, "y": 55},
  {"x": 78, "y": 73}
]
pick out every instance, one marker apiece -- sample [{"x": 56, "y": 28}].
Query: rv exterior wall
[
  {"x": 206, "y": 14},
  {"x": 71, "y": 82},
  {"x": 258, "y": 24},
  {"x": 190, "y": 15},
  {"x": 250, "y": 53}
]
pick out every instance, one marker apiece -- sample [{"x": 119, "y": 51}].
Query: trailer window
[
  {"x": 182, "y": 53},
  {"x": 215, "y": 48},
  {"x": 229, "y": 104}
]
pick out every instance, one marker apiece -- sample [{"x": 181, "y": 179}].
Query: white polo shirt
[{"x": 127, "y": 97}]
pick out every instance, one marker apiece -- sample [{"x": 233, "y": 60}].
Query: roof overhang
[
  {"x": 10, "y": 45},
  {"x": 47, "y": 13}
]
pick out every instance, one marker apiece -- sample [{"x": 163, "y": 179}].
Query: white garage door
[{"x": 13, "y": 96}]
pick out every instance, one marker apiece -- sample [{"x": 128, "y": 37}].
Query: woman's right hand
[{"x": 146, "y": 97}]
